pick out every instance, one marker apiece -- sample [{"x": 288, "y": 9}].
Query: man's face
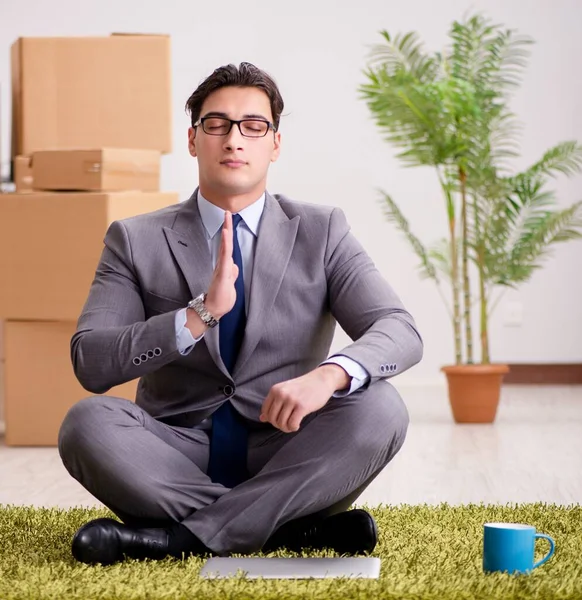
[{"x": 233, "y": 164}]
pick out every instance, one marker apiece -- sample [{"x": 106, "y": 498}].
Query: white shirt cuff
[
  {"x": 185, "y": 341},
  {"x": 359, "y": 375}
]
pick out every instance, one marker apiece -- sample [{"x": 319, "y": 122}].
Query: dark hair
[{"x": 246, "y": 75}]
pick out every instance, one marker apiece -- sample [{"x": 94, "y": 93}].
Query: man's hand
[
  {"x": 290, "y": 401},
  {"x": 221, "y": 294}
]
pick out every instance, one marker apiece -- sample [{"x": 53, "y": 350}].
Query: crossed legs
[{"x": 150, "y": 473}]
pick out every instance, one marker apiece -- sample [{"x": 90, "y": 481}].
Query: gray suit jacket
[{"x": 309, "y": 272}]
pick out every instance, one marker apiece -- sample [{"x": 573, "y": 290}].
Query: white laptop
[{"x": 291, "y": 568}]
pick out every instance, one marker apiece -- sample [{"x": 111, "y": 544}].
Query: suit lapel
[
  {"x": 188, "y": 243},
  {"x": 275, "y": 241}
]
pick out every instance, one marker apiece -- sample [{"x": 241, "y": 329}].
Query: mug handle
[{"x": 549, "y": 554}]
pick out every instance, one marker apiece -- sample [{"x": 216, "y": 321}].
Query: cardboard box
[
  {"x": 1, "y": 377},
  {"x": 2, "y": 172},
  {"x": 106, "y": 169},
  {"x": 91, "y": 92},
  {"x": 2, "y": 424},
  {"x": 39, "y": 383},
  {"x": 50, "y": 245},
  {"x": 22, "y": 174}
]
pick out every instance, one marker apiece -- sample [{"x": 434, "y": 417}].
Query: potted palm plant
[{"x": 450, "y": 111}]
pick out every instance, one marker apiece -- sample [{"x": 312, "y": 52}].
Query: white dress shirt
[{"x": 247, "y": 231}]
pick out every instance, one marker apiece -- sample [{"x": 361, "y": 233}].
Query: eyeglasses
[{"x": 251, "y": 128}]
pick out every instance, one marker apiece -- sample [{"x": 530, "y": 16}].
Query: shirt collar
[{"x": 213, "y": 216}]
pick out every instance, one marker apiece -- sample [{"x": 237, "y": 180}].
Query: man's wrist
[
  {"x": 195, "y": 323},
  {"x": 213, "y": 311},
  {"x": 337, "y": 377}
]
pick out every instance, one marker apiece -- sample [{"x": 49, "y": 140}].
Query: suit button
[
  {"x": 228, "y": 390},
  {"x": 150, "y": 353},
  {"x": 157, "y": 351},
  {"x": 143, "y": 357},
  {"x": 136, "y": 361},
  {"x": 382, "y": 368}
]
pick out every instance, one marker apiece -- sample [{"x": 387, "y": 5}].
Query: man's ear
[
  {"x": 192, "y": 141},
  {"x": 276, "y": 147}
]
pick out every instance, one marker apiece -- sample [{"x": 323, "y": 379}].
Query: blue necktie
[{"x": 228, "y": 441}]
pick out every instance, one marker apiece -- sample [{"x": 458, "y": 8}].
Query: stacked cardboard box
[{"x": 91, "y": 117}]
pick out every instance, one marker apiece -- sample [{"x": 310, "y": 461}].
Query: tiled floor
[{"x": 532, "y": 453}]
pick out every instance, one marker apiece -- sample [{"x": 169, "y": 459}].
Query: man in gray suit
[{"x": 244, "y": 435}]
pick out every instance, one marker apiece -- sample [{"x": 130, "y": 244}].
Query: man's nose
[{"x": 233, "y": 139}]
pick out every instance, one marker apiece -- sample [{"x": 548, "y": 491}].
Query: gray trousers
[{"x": 148, "y": 472}]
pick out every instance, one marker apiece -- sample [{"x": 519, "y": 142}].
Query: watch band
[{"x": 197, "y": 305}]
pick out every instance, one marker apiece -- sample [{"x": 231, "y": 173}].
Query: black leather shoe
[
  {"x": 107, "y": 541},
  {"x": 350, "y": 532}
]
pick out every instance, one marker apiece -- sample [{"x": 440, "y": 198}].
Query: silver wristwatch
[{"x": 198, "y": 305}]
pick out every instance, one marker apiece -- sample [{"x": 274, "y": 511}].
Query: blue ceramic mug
[{"x": 509, "y": 547}]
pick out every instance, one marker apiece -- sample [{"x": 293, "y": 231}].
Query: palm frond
[
  {"x": 394, "y": 215},
  {"x": 537, "y": 240},
  {"x": 440, "y": 254},
  {"x": 504, "y": 131},
  {"x": 491, "y": 58},
  {"x": 564, "y": 158},
  {"x": 491, "y": 142},
  {"x": 529, "y": 239},
  {"x": 403, "y": 52},
  {"x": 411, "y": 117},
  {"x": 488, "y": 235}
]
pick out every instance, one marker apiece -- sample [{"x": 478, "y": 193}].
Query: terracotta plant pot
[{"x": 474, "y": 391}]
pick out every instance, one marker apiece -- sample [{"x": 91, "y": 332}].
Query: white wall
[{"x": 332, "y": 153}]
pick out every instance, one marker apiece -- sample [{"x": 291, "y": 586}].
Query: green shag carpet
[{"x": 426, "y": 552}]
